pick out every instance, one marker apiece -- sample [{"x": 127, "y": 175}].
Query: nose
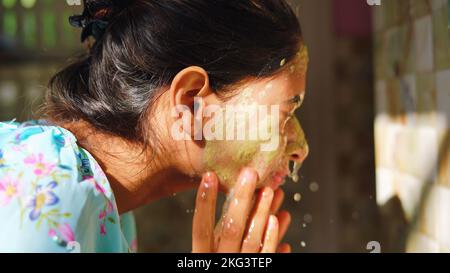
[
  {"x": 297, "y": 147},
  {"x": 300, "y": 154}
]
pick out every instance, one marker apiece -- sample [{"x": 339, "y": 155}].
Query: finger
[
  {"x": 284, "y": 220},
  {"x": 284, "y": 248},
  {"x": 257, "y": 224},
  {"x": 271, "y": 236},
  {"x": 204, "y": 215},
  {"x": 225, "y": 207},
  {"x": 235, "y": 218},
  {"x": 277, "y": 201}
]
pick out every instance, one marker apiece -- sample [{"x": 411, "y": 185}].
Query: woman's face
[{"x": 270, "y": 135}]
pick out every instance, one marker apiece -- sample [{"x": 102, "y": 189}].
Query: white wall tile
[
  {"x": 420, "y": 243},
  {"x": 443, "y": 95},
  {"x": 443, "y": 217},
  {"x": 385, "y": 185},
  {"x": 423, "y": 39},
  {"x": 437, "y": 4},
  {"x": 408, "y": 97},
  {"x": 380, "y": 96},
  {"x": 430, "y": 212},
  {"x": 409, "y": 191}
]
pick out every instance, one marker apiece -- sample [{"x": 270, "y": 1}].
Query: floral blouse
[{"x": 54, "y": 197}]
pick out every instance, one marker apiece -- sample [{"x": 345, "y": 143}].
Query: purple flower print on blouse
[
  {"x": 2, "y": 159},
  {"x": 44, "y": 196}
]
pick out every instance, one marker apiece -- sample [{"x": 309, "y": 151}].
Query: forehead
[{"x": 276, "y": 90}]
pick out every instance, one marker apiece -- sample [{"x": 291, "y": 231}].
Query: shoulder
[
  {"x": 52, "y": 192},
  {"x": 36, "y": 152}
]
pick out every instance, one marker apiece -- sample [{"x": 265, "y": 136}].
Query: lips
[{"x": 277, "y": 179}]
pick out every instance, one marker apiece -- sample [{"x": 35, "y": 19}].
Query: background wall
[{"x": 412, "y": 60}]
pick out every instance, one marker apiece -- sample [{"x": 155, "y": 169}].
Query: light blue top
[{"x": 54, "y": 197}]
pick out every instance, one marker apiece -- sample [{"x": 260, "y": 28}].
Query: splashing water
[
  {"x": 314, "y": 186},
  {"x": 294, "y": 173},
  {"x": 307, "y": 218}
]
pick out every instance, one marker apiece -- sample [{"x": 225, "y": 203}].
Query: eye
[{"x": 297, "y": 100}]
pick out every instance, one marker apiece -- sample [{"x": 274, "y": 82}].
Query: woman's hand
[{"x": 246, "y": 226}]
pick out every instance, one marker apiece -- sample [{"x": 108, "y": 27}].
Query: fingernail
[
  {"x": 267, "y": 193},
  {"x": 208, "y": 180},
  {"x": 248, "y": 175},
  {"x": 273, "y": 222}
]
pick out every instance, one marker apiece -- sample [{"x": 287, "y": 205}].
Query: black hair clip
[{"x": 95, "y": 17}]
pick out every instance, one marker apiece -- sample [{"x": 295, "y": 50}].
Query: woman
[{"x": 108, "y": 140}]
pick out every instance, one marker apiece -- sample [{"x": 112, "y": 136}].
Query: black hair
[{"x": 147, "y": 42}]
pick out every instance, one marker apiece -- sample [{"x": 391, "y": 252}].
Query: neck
[{"x": 136, "y": 177}]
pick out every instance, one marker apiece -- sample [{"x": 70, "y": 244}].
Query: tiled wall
[{"x": 412, "y": 132}]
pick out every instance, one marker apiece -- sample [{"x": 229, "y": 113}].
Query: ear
[{"x": 188, "y": 89}]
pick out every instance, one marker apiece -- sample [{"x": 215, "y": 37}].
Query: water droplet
[
  {"x": 292, "y": 69},
  {"x": 244, "y": 181},
  {"x": 203, "y": 195},
  {"x": 294, "y": 173},
  {"x": 250, "y": 229},
  {"x": 307, "y": 218},
  {"x": 297, "y": 197},
  {"x": 229, "y": 223},
  {"x": 314, "y": 187}
]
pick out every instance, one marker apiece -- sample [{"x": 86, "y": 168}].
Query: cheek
[
  {"x": 226, "y": 158},
  {"x": 266, "y": 162}
]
